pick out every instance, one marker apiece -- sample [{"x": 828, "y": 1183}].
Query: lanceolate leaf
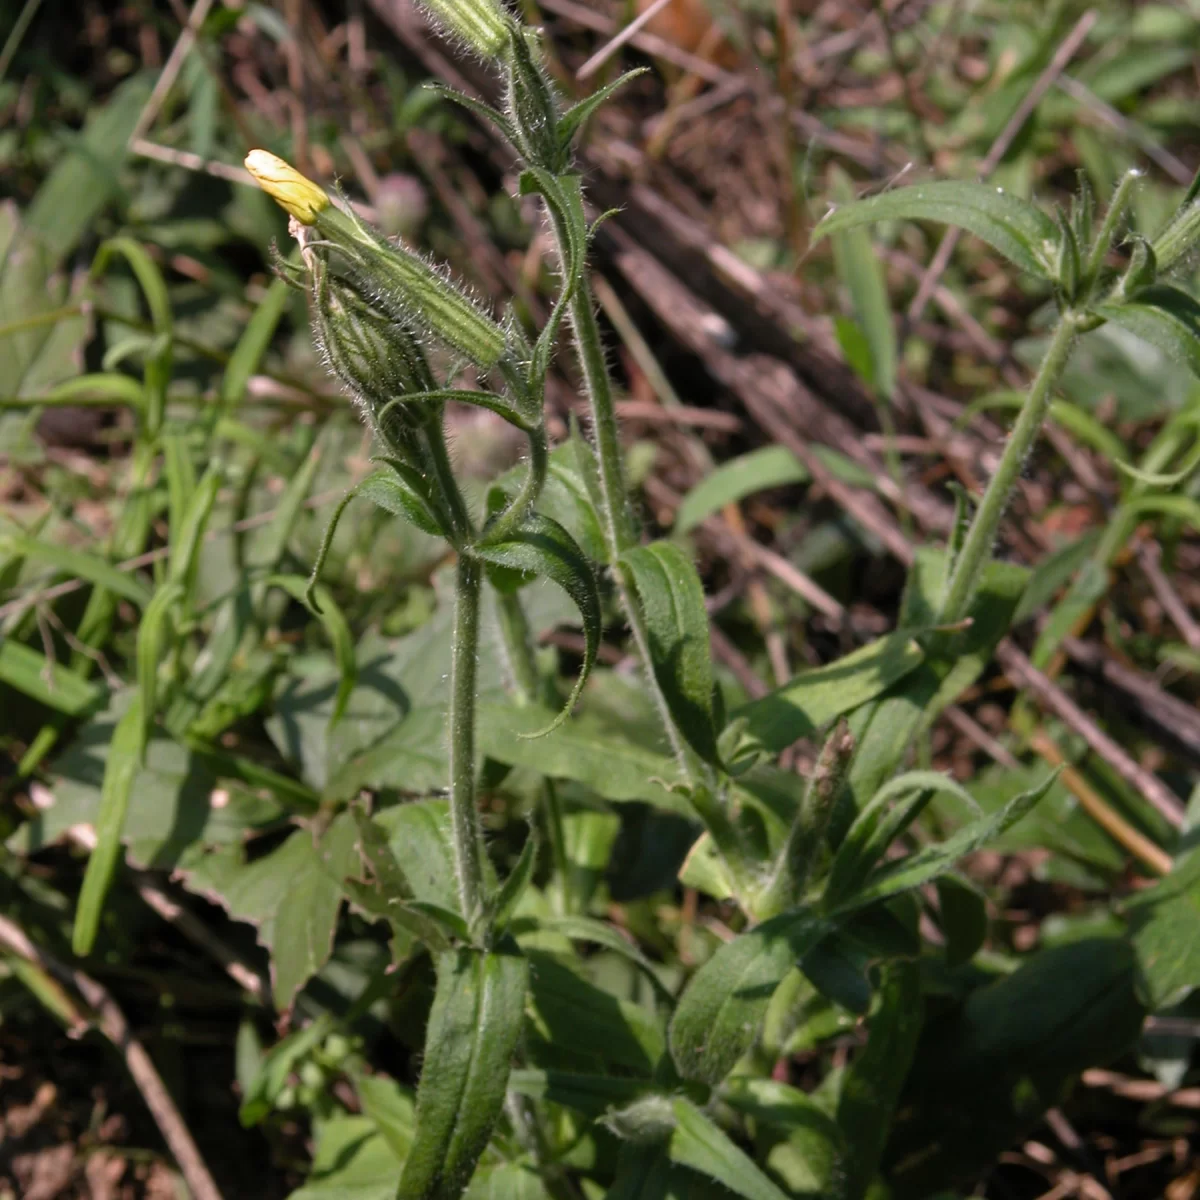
[
  {"x": 574, "y": 117},
  {"x": 697, "y": 1143},
  {"x": 872, "y": 1086},
  {"x": 400, "y": 494},
  {"x": 719, "y": 1014},
  {"x": 904, "y": 874},
  {"x": 1164, "y": 316},
  {"x": 1024, "y": 234},
  {"x": 473, "y": 1030},
  {"x": 672, "y": 601},
  {"x": 49, "y": 683},
  {"x": 123, "y": 760},
  {"x": 771, "y": 466},
  {"x": 543, "y": 547}
]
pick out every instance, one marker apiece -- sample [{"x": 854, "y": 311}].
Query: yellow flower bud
[{"x": 297, "y": 195}]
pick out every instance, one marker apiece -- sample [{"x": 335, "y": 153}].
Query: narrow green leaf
[
  {"x": 572, "y": 120},
  {"x": 46, "y": 682},
  {"x": 338, "y": 630},
  {"x": 697, "y": 1143},
  {"x": 860, "y": 270},
  {"x": 153, "y": 640},
  {"x": 904, "y": 874},
  {"x": 871, "y": 1089},
  {"x": 768, "y": 467},
  {"x": 123, "y": 759},
  {"x": 821, "y": 695},
  {"x": 102, "y": 388},
  {"x": 672, "y": 601},
  {"x": 543, "y": 547},
  {"x": 473, "y": 1029},
  {"x": 80, "y": 565},
  {"x": 519, "y": 878},
  {"x": 1020, "y": 231},
  {"x": 722, "y": 1009},
  {"x": 185, "y": 541},
  {"x": 397, "y": 492},
  {"x": 253, "y": 343}
]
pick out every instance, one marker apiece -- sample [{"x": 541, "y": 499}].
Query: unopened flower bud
[
  {"x": 481, "y": 24},
  {"x": 293, "y": 192}
]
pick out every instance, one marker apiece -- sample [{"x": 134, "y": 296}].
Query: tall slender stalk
[
  {"x": 980, "y": 536},
  {"x": 465, "y": 832}
]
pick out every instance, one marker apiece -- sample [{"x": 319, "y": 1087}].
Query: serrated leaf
[
  {"x": 697, "y": 1143},
  {"x": 542, "y": 547},
  {"x": 815, "y": 698},
  {"x": 1166, "y": 317},
  {"x": 768, "y": 467},
  {"x": 1020, "y": 231},
  {"x": 722, "y": 1009},
  {"x": 671, "y": 598},
  {"x": 473, "y": 1029}
]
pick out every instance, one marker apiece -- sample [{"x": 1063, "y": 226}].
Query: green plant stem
[
  {"x": 465, "y": 832},
  {"x": 981, "y": 535},
  {"x": 438, "y": 462}
]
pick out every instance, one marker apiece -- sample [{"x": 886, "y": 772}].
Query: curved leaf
[
  {"x": 1020, "y": 231},
  {"x": 473, "y": 1028},
  {"x": 542, "y": 547},
  {"x": 570, "y": 122},
  {"x": 253, "y": 343},
  {"x": 771, "y": 466},
  {"x": 697, "y": 1143},
  {"x": 719, "y": 1014},
  {"x": 1164, "y": 316},
  {"x": 403, "y": 494},
  {"x": 671, "y": 597}
]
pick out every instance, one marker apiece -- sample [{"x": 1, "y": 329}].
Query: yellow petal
[{"x": 286, "y": 186}]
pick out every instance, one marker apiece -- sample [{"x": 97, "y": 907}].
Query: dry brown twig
[{"x": 111, "y": 1022}]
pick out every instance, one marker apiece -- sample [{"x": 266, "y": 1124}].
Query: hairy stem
[
  {"x": 977, "y": 545},
  {"x": 466, "y": 833}
]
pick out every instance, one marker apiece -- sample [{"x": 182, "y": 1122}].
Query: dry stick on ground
[
  {"x": 1045, "y": 81},
  {"x": 1150, "y": 556},
  {"x": 111, "y": 1022}
]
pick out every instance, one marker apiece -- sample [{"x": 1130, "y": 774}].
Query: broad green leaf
[
  {"x": 1024, "y": 234},
  {"x": 904, "y": 874},
  {"x": 292, "y": 896},
  {"x": 586, "y": 1027},
  {"x": 985, "y": 1071},
  {"x": 697, "y": 1143},
  {"x": 871, "y": 1087},
  {"x": 817, "y": 697},
  {"x": 964, "y": 918},
  {"x": 390, "y": 1107},
  {"x": 46, "y": 682},
  {"x": 473, "y": 1029},
  {"x": 87, "y": 178},
  {"x": 124, "y": 759},
  {"x": 590, "y": 1094},
  {"x": 860, "y": 270},
  {"x": 352, "y": 1159},
  {"x": 418, "y": 835},
  {"x": 1164, "y": 316},
  {"x": 542, "y": 547},
  {"x": 722, "y": 1009},
  {"x": 583, "y": 750},
  {"x": 768, "y": 467},
  {"x": 1163, "y": 922},
  {"x": 671, "y": 598},
  {"x": 508, "y": 1181}
]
